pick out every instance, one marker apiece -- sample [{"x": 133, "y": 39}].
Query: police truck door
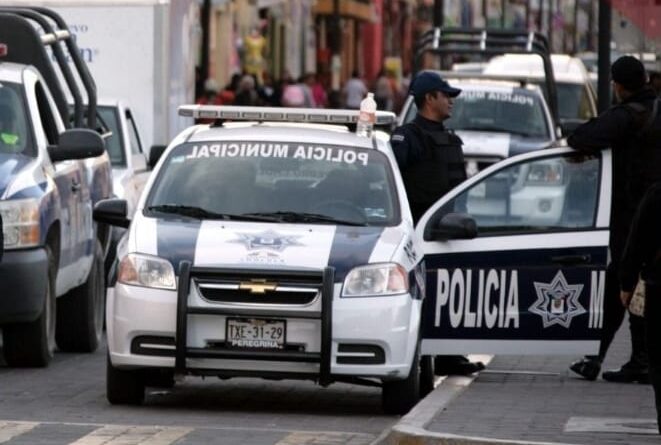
[{"x": 531, "y": 281}]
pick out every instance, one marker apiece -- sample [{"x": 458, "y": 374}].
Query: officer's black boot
[
  {"x": 588, "y": 367},
  {"x": 637, "y": 368}
]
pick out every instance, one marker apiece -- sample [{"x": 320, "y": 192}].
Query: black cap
[
  {"x": 629, "y": 72},
  {"x": 429, "y": 81}
]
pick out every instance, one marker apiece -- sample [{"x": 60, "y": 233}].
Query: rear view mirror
[
  {"x": 112, "y": 211},
  {"x": 77, "y": 143},
  {"x": 155, "y": 154},
  {"x": 452, "y": 226}
]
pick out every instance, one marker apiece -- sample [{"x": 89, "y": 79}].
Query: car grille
[{"x": 259, "y": 289}]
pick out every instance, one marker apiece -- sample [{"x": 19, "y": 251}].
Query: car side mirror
[
  {"x": 155, "y": 154},
  {"x": 568, "y": 126},
  {"x": 138, "y": 163},
  {"x": 112, "y": 211},
  {"x": 453, "y": 226},
  {"x": 77, "y": 143}
]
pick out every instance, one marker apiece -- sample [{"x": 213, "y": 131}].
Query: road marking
[
  {"x": 132, "y": 435},
  {"x": 325, "y": 438},
  {"x": 9, "y": 430},
  {"x": 611, "y": 425}
]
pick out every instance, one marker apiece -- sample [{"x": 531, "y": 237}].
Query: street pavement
[{"x": 533, "y": 399}]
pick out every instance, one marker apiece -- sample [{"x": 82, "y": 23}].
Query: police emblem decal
[
  {"x": 557, "y": 301},
  {"x": 268, "y": 240}
]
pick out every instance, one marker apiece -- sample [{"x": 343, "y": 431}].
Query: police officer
[
  {"x": 632, "y": 129},
  {"x": 431, "y": 161},
  {"x": 642, "y": 256}
]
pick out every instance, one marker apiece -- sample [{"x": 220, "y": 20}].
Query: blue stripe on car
[
  {"x": 352, "y": 246},
  {"x": 176, "y": 240},
  {"x": 10, "y": 165}
]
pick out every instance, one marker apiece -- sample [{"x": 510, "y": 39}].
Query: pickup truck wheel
[
  {"x": 123, "y": 386},
  {"x": 81, "y": 311},
  {"x": 33, "y": 343},
  {"x": 399, "y": 396}
]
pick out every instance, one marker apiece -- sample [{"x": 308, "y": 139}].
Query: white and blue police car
[
  {"x": 281, "y": 245},
  {"x": 275, "y": 249}
]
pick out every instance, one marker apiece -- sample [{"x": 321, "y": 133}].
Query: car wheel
[
  {"x": 32, "y": 344},
  {"x": 80, "y": 313},
  {"x": 427, "y": 376},
  {"x": 124, "y": 386},
  {"x": 399, "y": 396}
]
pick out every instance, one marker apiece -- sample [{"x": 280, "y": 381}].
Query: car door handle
[
  {"x": 571, "y": 259},
  {"x": 75, "y": 186}
]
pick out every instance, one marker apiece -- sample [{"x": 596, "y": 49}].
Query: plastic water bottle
[{"x": 367, "y": 116}]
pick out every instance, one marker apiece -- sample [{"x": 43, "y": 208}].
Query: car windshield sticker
[
  {"x": 268, "y": 240},
  {"x": 557, "y": 302},
  {"x": 267, "y": 150},
  {"x": 521, "y": 99}
]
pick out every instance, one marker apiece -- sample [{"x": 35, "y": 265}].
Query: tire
[
  {"x": 124, "y": 387},
  {"x": 427, "y": 376},
  {"x": 32, "y": 344},
  {"x": 159, "y": 378},
  {"x": 399, "y": 396},
  {"x": 80, "y": 312}
]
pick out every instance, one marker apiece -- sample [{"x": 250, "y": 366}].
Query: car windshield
[
  {"x": 276, "y": 181},
  {"x": 517, "y": 112},
  {"x": 15, "y": 135}
]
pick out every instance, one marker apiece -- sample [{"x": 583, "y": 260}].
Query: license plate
[{"x": 255, "y": 333}]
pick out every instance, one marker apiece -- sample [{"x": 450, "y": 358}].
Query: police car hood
[
  {"x": 499, "y": 144},
  {"x": 10, "y": 167},
  {"x": 212, "y": 243}
]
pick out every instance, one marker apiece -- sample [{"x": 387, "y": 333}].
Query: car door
[{"x": 532, "y": 280}]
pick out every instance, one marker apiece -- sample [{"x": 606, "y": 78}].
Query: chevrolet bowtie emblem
[{"x": 257, "y": 287}]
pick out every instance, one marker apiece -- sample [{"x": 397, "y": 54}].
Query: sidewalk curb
[{"x": 410, "y": 429}]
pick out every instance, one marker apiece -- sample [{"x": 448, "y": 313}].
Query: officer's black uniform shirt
[
  {"x": 644, "y": 243},
  {"x": 430, "y": 159}
]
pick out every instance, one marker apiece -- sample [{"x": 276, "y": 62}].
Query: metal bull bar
[
  {"x": 28, "y": 47},
  {"x": 488, "y": 42},
  {"x": 187, "y": 273}
]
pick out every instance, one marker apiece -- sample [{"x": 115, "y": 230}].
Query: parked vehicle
[{"x": 54, "y": 169}]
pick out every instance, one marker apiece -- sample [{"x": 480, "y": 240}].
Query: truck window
[
  {"x": 46, "y": 115},
  {"x": 114, "y": 144},
  {"x": 136, "y": 147},
  {"x": 14, "y": 128}
]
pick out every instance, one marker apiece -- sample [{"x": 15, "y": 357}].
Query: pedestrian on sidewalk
[
  {"x": 642, "y": 257},
  {"x": 354, "y": 91},
  {"x": 431, "y": 161},
  {"x": 632, "y": 129}
]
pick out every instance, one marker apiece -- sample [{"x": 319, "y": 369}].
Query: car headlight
[
  {"x": 545, "y": 173},
  {"x": 20, "y": 223},
  {"x": 146, "y": 271},
  {"x": 376, "y": 280}
]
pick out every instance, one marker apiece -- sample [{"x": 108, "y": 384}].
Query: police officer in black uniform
[
  {"x": 632, "y": 128},
  {"x": 642, "y": 256},
  {"x": 431, "y": 161}
]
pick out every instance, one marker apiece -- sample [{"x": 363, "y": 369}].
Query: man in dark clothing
[
  {"x": 631, "y": 128},
  {"x": 642, "y": 256},
  {"x": 431, "y": 161}
]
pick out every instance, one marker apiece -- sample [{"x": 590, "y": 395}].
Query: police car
[
  {"x": 280, "y": 246},
  {"x": 495, "y": 118},
  {"x": 273, "y": 249}
]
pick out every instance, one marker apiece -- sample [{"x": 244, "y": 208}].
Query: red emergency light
[{"x": 3, "y": 50}]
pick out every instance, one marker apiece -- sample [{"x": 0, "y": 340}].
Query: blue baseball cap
[{"x": 429, "y": 81}]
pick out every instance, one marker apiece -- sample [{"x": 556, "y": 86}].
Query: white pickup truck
[{"x": 53, "y": 169}]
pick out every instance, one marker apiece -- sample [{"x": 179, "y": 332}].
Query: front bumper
[
  {"x": 329, "y": 339},
  {"x": 24, "y": 278}
]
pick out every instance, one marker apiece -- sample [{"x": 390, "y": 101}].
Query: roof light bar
[
  {"x": 316, "y": 115},
  {"x": 3, "y": 50}
]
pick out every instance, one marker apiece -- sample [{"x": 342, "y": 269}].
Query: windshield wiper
[
  {"x": 495, "y": 129},
  {"x": 307, "y": 218},
  {"x": 200, "y": 213}
]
